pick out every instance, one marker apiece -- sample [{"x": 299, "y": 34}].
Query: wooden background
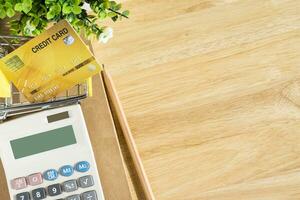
[{"x": 211, "y": 89}]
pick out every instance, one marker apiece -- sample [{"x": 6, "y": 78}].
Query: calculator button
[
  {"x": 50, "y": 175},
  {"x": 70, "y": 186},
  {"x": 82, "y": 166},
  {"x": 66, "y": 170},
  {"x": 38, "y": 194},
  {"x": 35, "y": 179},
  {"x": 23, "y": 196},
  {"x": 86, "y": 181},
  {"x": 91, "y": 195},
  {"x": 54, "y": 190},
  {"x": 19, "y": 183},
  {"x": 73, "y": 197}
]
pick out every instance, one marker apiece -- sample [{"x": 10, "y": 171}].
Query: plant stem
[
  {"x": 118, "y": 13},
  {"x": 92, "y": 24}
]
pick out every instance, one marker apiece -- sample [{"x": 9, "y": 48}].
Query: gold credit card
[
  {"x": 50, "y": 63},
  {"x": 4, "y": 86}
]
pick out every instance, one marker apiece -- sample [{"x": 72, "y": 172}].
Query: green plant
[{"x": 33, "y": 16}]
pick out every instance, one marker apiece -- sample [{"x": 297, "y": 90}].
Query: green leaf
[
  {"x": 106, "y": 4},
  {"x": 14, "y": 24},
  {"x": 76, "y": 10},
  {"x": 36, "y": 32},
  {"x": 10, "y": 12},
  {"x": 42, "y": 11},
  {"x": 2, "y": 13},
  {"x": 24, "y": 19},
  {"x": 113, "y": 4},
  {"x": 35, "y": 15},
  {"x": 115, "y": 18},
  {"x": 111, "y": 14},
  {"x": 70, "y": 17},
  {"x": 50, "y": 15},
  {"x": 126, "y": 13},
  {"x": 75, "y": 20},
  {"x": 14, "y": 31},
  {"x": 48, "y": 2},
  {"x": 36, "y": 22},
  {"x": 118, "y": 6},
  {"x": 79, "y": 23},
  {"x": 55, "y": 9},
  {"x": 8, "y": 4},
  {"x": 18, "y": 7},
  {"x": 77, "y": 2},
  {"x": 66, "y": 9},
  {"x": 102, "y": 14},
  {"x": 27, "y": 8},
  {"x": 27, "y": 3},
  {"x": 32, "y": 14}
]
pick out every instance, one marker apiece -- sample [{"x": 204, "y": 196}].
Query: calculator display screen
[{"x": 43, "y": 142}]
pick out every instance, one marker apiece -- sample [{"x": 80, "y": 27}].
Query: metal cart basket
[{"x": 17, "y": 104}]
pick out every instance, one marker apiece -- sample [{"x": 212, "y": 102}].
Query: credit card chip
[{"x": 14, "y": 63}]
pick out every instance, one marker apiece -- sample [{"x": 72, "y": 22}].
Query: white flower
[
  {"x": 86, "y": 6},
  {"x": 29, "y": 28},
  {"x": 107, "y": 34}
]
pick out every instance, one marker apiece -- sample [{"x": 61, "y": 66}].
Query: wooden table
[{"x": 211, "y": 89}]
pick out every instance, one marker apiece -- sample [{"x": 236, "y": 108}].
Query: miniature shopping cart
[{"x": 17, "y": 104}]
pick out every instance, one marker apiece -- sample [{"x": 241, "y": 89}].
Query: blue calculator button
[
  {"x": 66, "y": 170},
  {"x": 82, "y": 166},
  {"x": 50, "y": 175}
]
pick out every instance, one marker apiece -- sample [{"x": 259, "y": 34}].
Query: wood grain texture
[
  {"x": 3, "y": 184},
  {"x": 120, "y": 119},
  {"x": 211, "y": 89},
  {"x": 105, "y": 143}
]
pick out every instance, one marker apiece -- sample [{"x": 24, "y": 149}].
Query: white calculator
[{"x": 48, "y": 155}]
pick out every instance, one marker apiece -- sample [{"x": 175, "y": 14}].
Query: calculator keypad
[
  {"x": 39, "y": 193},
  {"x": 23, "y": 196},
  {"x": 91, "y": 195},
  {"x": 82, "y": 166},
  {"x": 66, "y": 170},
  {"x": 69, "y": 186},
  {"x": 19, "y": 183},
  {"x": 54, "y": 190},
  {"x": 35, "y": 179},
  {"x": 86, "y": 181},
  {"x": 50, "y": 175}
]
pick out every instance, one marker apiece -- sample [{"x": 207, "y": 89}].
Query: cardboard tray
[{"x": 121, "y": 178}]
